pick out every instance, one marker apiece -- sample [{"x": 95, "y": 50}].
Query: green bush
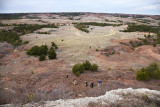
[
  {"x": 139, "y": 44},
  {"x": 33, "y": 51},
  {"x": 87, "y": 65},
  {"x": 78, "y": 68},
  {"x": 109, "y": 68},
  {"x": 42, "y": 50},
  {"x": 10, "y": 37},
  {"x": 52, "y": 53},
  {"x": 131, "y": 69},
  {"x": 54, "y": 45},
  {"x": 152, "y": 71},
  {"x": 146, "y": 42},
  {"x": 25, "y": 42},
  {"x": 107, "y": 54},
  {"x": 93, "y": 67},
  {"x": 78, "y": 74},
  {"x": 112, "y": 53},
  {"x": 43, "y": 32},
  {"x": 156, "y": 74},
  {"x": 151, "y": 68},
  {"x": 38, "y": 50},
  {"x": 29, "y": 97},
  {"x": 141, "y": 75},
  {"x": 154, "y": 44},
  {"x": 42, "y": 57}
]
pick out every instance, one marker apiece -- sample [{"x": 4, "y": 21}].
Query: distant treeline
[
  {"x": 71, "y": 14},
  {"x": 84, "y": 25},
  {"x": 12, "y": 16},
  {"x": 126, "y": 16},
  {"x": 98, "y": 24}
]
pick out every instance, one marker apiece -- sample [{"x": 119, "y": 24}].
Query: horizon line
[{"x": 81, "y": 12}]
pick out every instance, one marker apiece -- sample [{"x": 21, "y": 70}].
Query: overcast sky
[{"x": 102, "y": 6}]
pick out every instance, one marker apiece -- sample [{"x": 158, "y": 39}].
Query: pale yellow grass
[{"x": 75, "y": 46}]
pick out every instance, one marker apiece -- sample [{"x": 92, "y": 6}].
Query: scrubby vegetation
[
  {"x": 2, "y": 24},
  {"x": 99, "y": 24},
  {"x": 148, "y": 40},
  {"x": 54, "y": 45},
  {"x": 94, "y": 67},
  {"x": 42, "y": 57},
  {"x": 142, "y": 28},
  {"x": 122, "y": 16},
  {"x": 83, "y": 26},
  {"x": 87, "y": 65},
  {"x": 29, "y": 97},
  {"x": 147, "y": 21},
  {"x": 52, "y": 53},
  {"x": 126, "y": 16},
  {"x": 12, "y": 16},
  {"x": 43, "y": 33},
  {"x": 131, "y": 69},
  {"x": 42, "y": 51},
  {"x": 70, "y": 14},
  {"x": 79, "y": 68},
  {"x": 10, "y": 37},
  {"x": 13, "y": 36},
  {"x": 152, "y": 71},
  {"x": 25, "y": 42},
  {"x": 38, "y": 50},
  {"x": 28, "y": 28}
]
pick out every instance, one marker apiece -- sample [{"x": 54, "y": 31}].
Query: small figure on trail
[
  {"x": 92, "y": 83},
  {"x": 74, "y": 81},
  {"x": 86, "y": 83},
  {"x": 66, "y": 75},
  {"x": 99, "y": 83}
]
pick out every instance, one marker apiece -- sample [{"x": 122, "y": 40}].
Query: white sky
[{"x": 102, "y": 6}]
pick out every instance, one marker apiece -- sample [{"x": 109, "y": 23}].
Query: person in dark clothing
[
  {"x": 86, "y": 83},
  {"x": 66, "y": 75},
  {"x": 92, "y": 85}
]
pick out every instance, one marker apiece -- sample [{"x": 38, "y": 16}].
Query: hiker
[
  {"x": 86, "y": 83},
  {"x": 99, "y": 83},
  {"x": 74, "y": 81},
  {"x": 92, "y": 83},
  {"x": 66, "y": 75}
]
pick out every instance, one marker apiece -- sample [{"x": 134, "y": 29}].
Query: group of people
[
  {"x": 92, "y": 83},
  {"x": 86, "y": 83}
]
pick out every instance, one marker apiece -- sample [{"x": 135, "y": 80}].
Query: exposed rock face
[
  {"x": 116, "y": 98},
  {"x": 5, "y": 49}
]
